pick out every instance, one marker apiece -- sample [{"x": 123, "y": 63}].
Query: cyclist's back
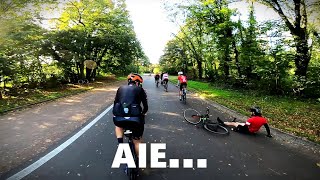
[
  {"x": 165, "y": 76},
  {"x": 128, "y": 100},
  {"x": 127, "y": 109}
]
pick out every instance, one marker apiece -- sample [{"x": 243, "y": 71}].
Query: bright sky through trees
[{"x": 154, "y": 29}]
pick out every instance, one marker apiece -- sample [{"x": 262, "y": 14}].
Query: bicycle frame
[
  {"x": 205, "y": 117},
  {"x": 130, "y": 171}
]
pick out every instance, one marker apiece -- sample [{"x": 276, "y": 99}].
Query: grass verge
[
  {"x": 35, "y": 96},
  {"x": 298, "y": 117}
]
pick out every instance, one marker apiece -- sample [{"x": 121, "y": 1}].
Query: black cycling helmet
[{"x": 256, "y": 110}]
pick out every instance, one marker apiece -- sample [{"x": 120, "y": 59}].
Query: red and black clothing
[
  {"x": 183, "y": 81},
  {"x": 253, "y": 125}
]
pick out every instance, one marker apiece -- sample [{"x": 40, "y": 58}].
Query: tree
[{"x": 294, "y": 14}]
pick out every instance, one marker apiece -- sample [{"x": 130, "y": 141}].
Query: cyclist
[
  {"x": 165, "y": 78},
  {"x": 161, "y": 77},
  {"x": 127, "y": 110},
  {"x": 252, "y": 125},
  {"x": 156, "y": 77},
  {"x": 182, "y": 81}
]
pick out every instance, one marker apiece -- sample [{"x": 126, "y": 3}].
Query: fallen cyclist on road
[
  {"x": 252, "y": 125},
  {"x": 127, "y": 110}
]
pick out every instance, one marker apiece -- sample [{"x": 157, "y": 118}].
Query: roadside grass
[
  {"x": 298, "y": 117},
  {"x": 34, "y": 96}
]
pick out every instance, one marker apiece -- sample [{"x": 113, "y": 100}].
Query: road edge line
[{"x": 26, "y": 171}]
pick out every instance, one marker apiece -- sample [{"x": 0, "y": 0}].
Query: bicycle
[
  {"x": 131, "y": 172},
  {"x": 157, "y": 82},
  {"x": 83, "y": 81},
  {"x": 184, "y": 94},
  {"x": 165, "y": 85},
  {"x": 194, "y": 117}
]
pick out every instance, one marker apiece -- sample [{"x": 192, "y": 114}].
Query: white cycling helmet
[{"x": 179, "y": 73}]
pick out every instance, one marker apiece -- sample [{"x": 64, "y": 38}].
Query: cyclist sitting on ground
[
  {"x": 156, "y": 77},
  {"x": 127, "y": 110},
  {"x": 252, "y": 125},
  {"x": 182, "y": 81}
]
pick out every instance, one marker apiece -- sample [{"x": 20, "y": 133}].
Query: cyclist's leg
[
  {"x": 180, "y": 92},
  {"x": 119, "y": 133},
  {"x": 137, "y": 137},
  {"x": 234, "y": 124}
]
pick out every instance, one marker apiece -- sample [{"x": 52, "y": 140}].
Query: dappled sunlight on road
[
  {"x": 105, "y": 90},
  {"x": 72, "y": 100},
  {"x": 78, "y": 117},
  {"x": 168, "y": 129},
  {"x": 171, "y": 114}
]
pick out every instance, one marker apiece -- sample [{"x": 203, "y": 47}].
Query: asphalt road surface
[{"x": 235, "y": 156}]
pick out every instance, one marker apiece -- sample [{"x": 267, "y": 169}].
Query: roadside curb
[{"x": 280, "y": 136}]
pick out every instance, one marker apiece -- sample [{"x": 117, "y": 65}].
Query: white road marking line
[{"x": 26, "y": 171}]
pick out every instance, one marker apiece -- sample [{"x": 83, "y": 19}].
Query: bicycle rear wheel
[
  {"x": 133, "y": 172},
  {"x": 192, "y": 116},
  {"x": 216, "y": 128},
  {"x": 184, "y": 97}
]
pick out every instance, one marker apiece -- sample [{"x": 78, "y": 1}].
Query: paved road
[{"x": 228, "y": 157}]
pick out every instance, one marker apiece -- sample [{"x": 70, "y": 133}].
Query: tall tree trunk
[
  {"x": 302, "y": 57},
  {"x": 226, "y": 69},
  {"x": 199, "y": 62},
  {"x": 81, "y": 67},
  {"x": 236, "y": 57}
]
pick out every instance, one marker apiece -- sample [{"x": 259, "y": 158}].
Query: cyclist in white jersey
[{"x": 165, "y": 77}]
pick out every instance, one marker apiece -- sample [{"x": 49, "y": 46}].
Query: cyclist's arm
[
  {"x": 116, "y": 99},
  {"x": 267, "y": 129},
  {"x": 144, "y": 101}
]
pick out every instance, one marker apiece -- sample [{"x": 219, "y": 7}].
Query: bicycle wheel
[
  {"x": 216, "y": 128},
  {"x": 184, "y": 97},
  {"x": 80, "y": 81},
  {"x": 132, "y": 172},
  {"x": 192, "y": 116},
  {"x": 166, "y": 86},
  {"x": 85, "y": 81}
]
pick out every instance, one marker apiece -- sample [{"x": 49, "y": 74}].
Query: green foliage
[
  {"x": 34, "y": 57},
  {"x": 245, "y": 54}
]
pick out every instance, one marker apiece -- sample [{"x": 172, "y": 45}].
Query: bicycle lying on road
[
  {"x": 194, "y": 117},
  {"x": 131, "y": 172}
]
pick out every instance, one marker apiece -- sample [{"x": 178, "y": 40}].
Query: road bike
[
  {"x": 131, "y": 172},
  {"x": 83, "y": 81},
  {"x": 157, "y": 82},
  {"x": 194, "y": 117},
  {"x": 165, "y": 85},
  {"x": 184, "y": 94}
]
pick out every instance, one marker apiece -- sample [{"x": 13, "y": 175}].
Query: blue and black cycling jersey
[{"x": 128, "y": 102}]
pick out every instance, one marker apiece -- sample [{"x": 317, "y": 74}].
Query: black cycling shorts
[
  {"x": 243, "y": 129},
  {"x": 136, "y": 128},
  {"x": 181, "y": 85}
]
